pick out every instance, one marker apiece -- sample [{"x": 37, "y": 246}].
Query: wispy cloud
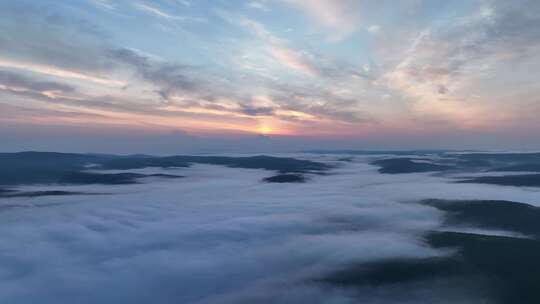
[
  {"x": 293, "y": 59},
  {"x": 58, "y": 72},
  {"x": 154, "y": 10},
  {"x": 16, "y": 81},
  {"x": 340, "y": 16},
  {"x": 383, "y": 65},
  {"x": 443, "y": 63},
  {"x": 373, "y": 29},
  {"x": 161, "y": 13},
  {"x": 103, "y": 4},
  {"x": 259, "y": 4}
]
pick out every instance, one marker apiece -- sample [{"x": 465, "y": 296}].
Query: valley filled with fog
[{"x": 345, "y": 228}]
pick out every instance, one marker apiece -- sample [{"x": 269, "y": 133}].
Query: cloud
[
  {"x": 294, "y": 60},
  {"x": 137, "y": 83},
  {"x": 445, "y": 63},
  {"x": 341, "y": 16},
  {"x": 183, "y": 246},
  {"x": 17, "y": 81},
  {"x": 169, "y": 77},
  {"x": 259, "y": 242},
  {"x": 160, "y": 13},
  {"x": 80, "y": 53},
  {"x": 103, "y": 4},
  {"x": 298, "y": 59},
  {"x": 424, "y": 71},
  {"x": 59, "y": 72},
  {"x": 11, "y": 113},
  {"x": 373, "y": 29},
  {"x": 255, "y": 111},
  {"x": 154, "y": 11},
  {"x": 260, "y": 5}
]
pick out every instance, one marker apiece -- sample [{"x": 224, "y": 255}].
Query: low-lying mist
[{"x": 224, "y": 235}]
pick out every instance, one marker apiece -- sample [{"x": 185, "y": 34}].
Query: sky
[{"x": 169, "y": 76}]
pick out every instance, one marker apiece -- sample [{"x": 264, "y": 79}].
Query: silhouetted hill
[
  {"x": 491, "y": 214},
  {"x": 461, "y": 162},
  {"x": 524, "y": 180},
  {"x": 286, "y": 178},
  {"x": 408, "y": 165},
  {"x": 69, "y": 168}
]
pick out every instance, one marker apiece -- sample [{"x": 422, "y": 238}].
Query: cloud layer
[{"x": 219, "y": 235}]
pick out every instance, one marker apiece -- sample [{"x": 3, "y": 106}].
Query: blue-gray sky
[{"x": 184, "y": 75}]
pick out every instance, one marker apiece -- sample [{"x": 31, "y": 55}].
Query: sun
[{"x": 264, "y": 129}]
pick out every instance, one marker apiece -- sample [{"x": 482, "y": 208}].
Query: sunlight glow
[{"x": 264, "y": 129}]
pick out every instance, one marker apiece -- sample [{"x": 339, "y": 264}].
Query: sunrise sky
[{"x": 179, "y": 75}]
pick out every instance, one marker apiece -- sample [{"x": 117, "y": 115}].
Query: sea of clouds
[{"x": 221, "y": 235}]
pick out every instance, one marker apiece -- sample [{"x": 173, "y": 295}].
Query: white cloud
[
  {"x": 373, "y": 29},
  {"x": 296, "y": 60},
  {"x": 293, "y": 59},
  {"x": 260, "y": 5},
  {"x": 158, "y": 12},
  {"x": 340, "y": 16},
  {"x": 217, "y": 236},
  {"x": 58, "y": 72},
  {"x": 154, "y": 11},
  {"x": 104, "y": 4}
]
